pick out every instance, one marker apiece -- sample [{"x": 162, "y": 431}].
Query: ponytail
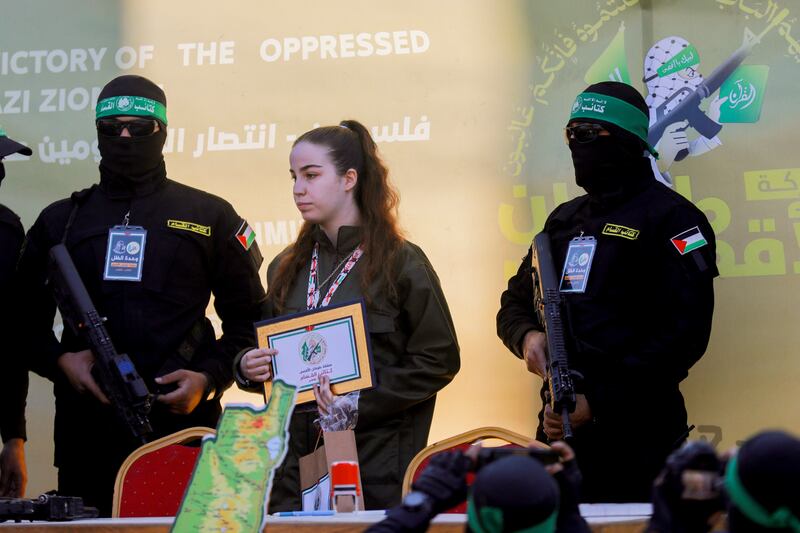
[{"x": 352, "y": 146}]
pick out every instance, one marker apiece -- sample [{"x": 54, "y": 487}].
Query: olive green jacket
[{"x": 415, "y": 353}]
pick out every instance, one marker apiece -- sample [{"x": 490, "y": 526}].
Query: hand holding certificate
[{"x": 331, "y": 341}]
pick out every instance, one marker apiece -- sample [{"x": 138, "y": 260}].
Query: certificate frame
[{"x": 349, "y": 370}]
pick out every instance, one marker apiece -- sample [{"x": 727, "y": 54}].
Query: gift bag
[
  {"x": 315, "y": 482},
  {"x": 315, "y": 468}
]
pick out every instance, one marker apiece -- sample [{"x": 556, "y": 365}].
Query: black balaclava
[
  {"x": 614, "y": 165},
  {"x": 132, "y": 163},
  {"x": 514, "y": 493},
  {"x": 768, "y": 468}
]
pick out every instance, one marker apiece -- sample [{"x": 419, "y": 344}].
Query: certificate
[{"x": 331, "y": 340}]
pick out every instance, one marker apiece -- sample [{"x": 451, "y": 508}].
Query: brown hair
[{"x": 351, "y": 146}]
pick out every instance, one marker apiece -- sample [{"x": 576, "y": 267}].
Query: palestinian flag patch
[
  {"x": 246, "y": 236},
  {"x": 689, "y": 240}
]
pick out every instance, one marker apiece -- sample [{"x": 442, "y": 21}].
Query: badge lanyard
[
  {"x": 125, "y": 252},
  {"x": 577, "y": 264},
  {"x": 314, "y": 292}
]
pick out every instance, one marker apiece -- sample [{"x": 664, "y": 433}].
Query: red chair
[
  {"x": 153, "y": 479},
  {"x": 462, "y": 442}
]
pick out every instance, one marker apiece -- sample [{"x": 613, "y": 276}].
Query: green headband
[
  {"x": 131, "y": 106},
  {"x": 3, "y": 133},
  {"x": 490, "y": 520},
  {"x": 780, "y": 518},
  {"x": 688, "y": 57},
  {"x": 618, "y": 112}
]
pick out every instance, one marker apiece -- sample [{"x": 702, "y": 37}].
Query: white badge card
[
  {"x": 577, "y": 264},
  {"x": 125, "y": 253}
]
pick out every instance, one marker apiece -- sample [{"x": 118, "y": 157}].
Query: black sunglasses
[
  {"x": 138, "y": 127},
  {"x": 583, "y": 133}
]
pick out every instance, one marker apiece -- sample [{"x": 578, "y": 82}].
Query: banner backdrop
[
  {"x": 741, "y": 170},
  {"x": 467, "y": 101}
]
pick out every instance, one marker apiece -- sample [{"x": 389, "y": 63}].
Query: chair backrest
[
  {"x": 462, "y": 442},
  {"x": 154, "y": 477}
]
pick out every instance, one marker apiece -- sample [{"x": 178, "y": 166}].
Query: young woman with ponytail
[{"x": 342, "y": 190}]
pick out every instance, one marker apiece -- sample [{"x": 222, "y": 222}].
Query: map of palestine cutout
[{"x": 233, "y": 475}]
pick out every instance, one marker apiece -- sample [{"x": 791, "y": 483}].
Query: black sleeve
[
  {"x": 13, "y": 374},
  {"x": 517, "y": 315},
  {"x": 37, "y": 306},
  {"x": 681, "y": 330},
  {"x": 238, "y": 298},
  {"x": 679, "y": 325},
  {"x": 11, "y": 237}
]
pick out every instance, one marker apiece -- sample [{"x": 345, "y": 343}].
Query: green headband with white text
[
  {"x": 138, "y": 106},
  {"x": 615, "y": 111},
  {"x": 780, "y": 518},
  {"x": 688, "y": 57}
]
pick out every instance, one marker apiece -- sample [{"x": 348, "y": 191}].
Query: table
[{"x": 603, "y": 518}]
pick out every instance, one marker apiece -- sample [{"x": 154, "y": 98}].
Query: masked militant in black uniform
[
  {"x": 637, "y": 263},
  {"x": 13, "y": 375},
  {"x": 151, "y": 252}
]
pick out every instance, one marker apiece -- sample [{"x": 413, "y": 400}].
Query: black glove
[
  {"x": 442, "y": 485},
  {"x": 445, "y": 480},
  {"x": 414, "y": 515},
  {"x": 679, "y": 507},
  {"x": 569, "y": 481}
]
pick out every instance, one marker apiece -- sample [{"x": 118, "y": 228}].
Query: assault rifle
[
  {"x": 114, "y": 372},
  {"x": 547, "y": 302},
  {"x": 50, "y": 507}
]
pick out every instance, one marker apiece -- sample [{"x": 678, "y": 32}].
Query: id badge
[
  {"x": 125, "y": 253},
  {"x": 577, "y": 264}
]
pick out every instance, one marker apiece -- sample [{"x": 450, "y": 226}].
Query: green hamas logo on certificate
[
  {"x": 689, "y": 240},
  {"x": 313, "y": 348}
]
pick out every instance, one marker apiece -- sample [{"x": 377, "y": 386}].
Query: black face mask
[
  {"x": 607, "y": 164},
  {"x": 132, "y": 159}
]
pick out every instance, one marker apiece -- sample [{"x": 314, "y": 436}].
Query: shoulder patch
[
  {"x": 245, "y": 235},
  {"x": 190, "y": 226},
  {"x": 689, "y": 240},
  {"x": 616, "y": 230}
]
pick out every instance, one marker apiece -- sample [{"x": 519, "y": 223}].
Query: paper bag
[{"x": 315, "y": 481}]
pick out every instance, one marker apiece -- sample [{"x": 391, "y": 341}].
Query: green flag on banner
[
  {"x": 744, "y": 89},
  {"x": 612, "y": 65}
]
